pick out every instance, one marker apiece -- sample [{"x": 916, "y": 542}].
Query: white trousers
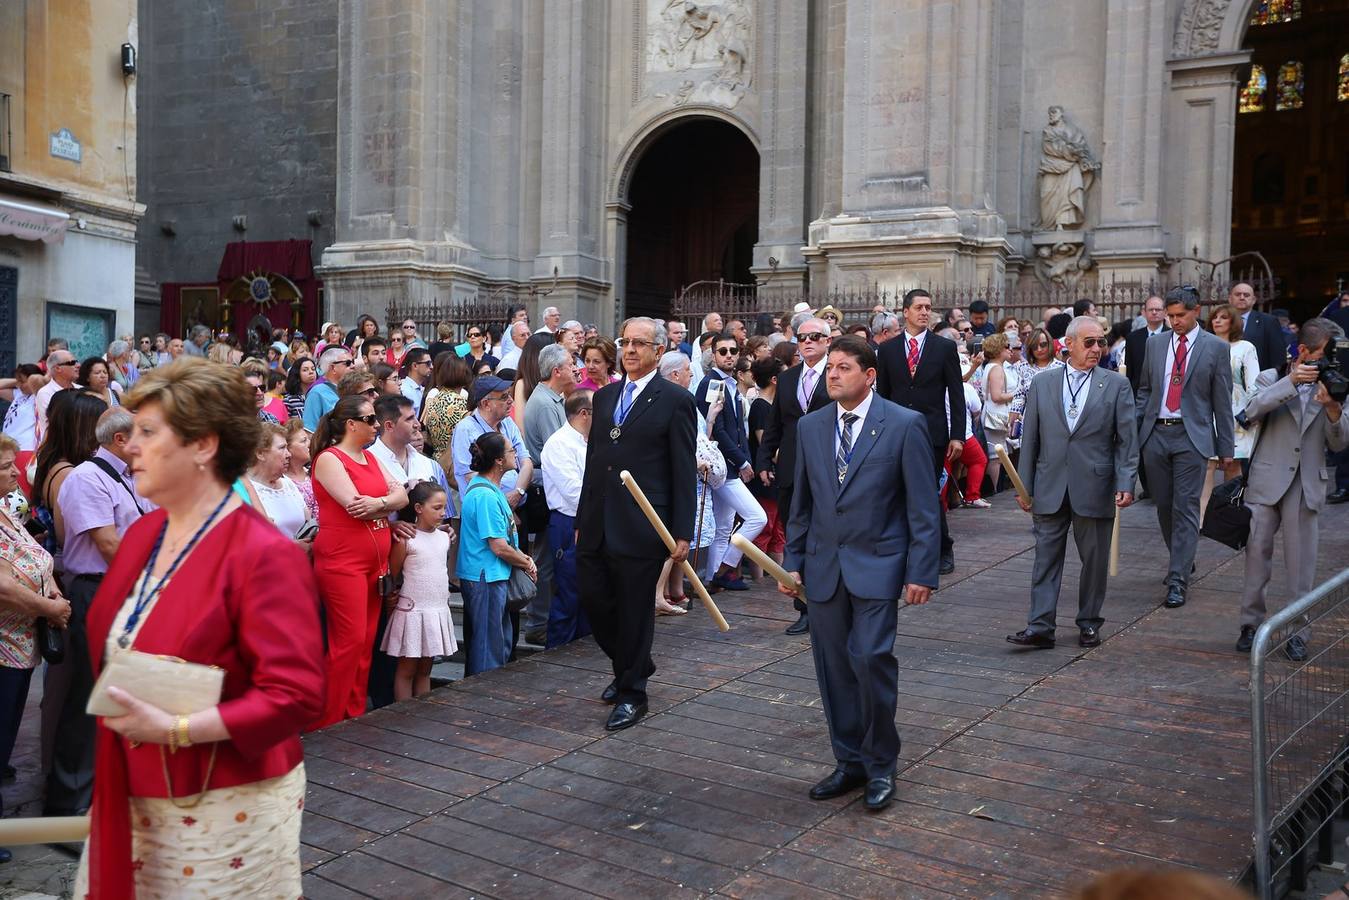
[{"x": 728, "y": 501}]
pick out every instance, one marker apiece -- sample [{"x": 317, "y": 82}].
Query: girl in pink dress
[{"x": 420, "y": 627}]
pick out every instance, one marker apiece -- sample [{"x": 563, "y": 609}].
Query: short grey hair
[
  {"x": 672, "y": 362},
  {"x": 950, "y": 334},
  {"x": 551, "y": 309},
  {"x": 551, "y": 357},
  {"x": 807, "y": 318},
  {"x": 327, "y": 357},
  {"x": 118, "y": 348},
  {"x": 1076, "y": 325},
  {"x": 520, "y": 323},
  {"x": 659, "y": 335},
  {"x": 1317, "y": 332},
  {"x": 570, "y": 324},
  {"x": 1184, "y": 295},
  {"x": 883, "y": 322},
  {"x": 117, "y": 420},
  {"x": 199, "y": 330}
]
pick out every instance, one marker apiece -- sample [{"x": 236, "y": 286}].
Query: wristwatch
[{"x": 521, "y": 491}]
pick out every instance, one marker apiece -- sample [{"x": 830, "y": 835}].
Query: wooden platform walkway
[{"x": 1022, "y": 773}]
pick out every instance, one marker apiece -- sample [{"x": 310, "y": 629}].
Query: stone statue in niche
[
  {"x": 1067, "y": 170},
  {"x": 685, "y": 36}
]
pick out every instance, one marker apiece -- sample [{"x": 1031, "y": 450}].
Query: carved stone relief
[
  {"x": 699, "y": 51},
  {"x": 1066, "y": 172},
  {"x": 1200, "y": 27}
]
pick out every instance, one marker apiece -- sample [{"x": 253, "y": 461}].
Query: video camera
[{"x": 1333, "y": 369}]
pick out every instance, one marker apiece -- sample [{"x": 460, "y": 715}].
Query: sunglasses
[
  {"x": 369, "y": 419},
  {"x": 371, "y": 392},
  {"x": 69, "y": 363},
  {"x": 1093, "y": 342},
  {"x": 728, "y": 351},
  {"x": 813, "y": 336},
  {"x": 474, "y": 334},
  {"x": 340, "y": 362}
]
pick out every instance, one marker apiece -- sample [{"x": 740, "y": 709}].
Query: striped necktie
[
  {"x": 845, "y": 445},
  {"x": 913, "y": 356}
]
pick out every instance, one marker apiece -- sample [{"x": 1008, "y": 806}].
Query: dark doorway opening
[
  {"x": 695, "y": 213},
  {"x": 1290, "y": 192}
]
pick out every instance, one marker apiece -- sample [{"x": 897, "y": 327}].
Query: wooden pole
[
  {"x": 1114, "y": 545},
  {"x": 766, "y": 563},
  {"x": 1012, "y": 472},
  {"x": 47, "y": 830},
  {"x": 626, "y": 477}
]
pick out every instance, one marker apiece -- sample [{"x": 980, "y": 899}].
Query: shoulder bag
[{"x": 520, "y": 589}]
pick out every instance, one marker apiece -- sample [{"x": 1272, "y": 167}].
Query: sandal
[{"x": 665, "y": 608}]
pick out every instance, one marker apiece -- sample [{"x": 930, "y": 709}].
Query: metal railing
[
  {"x": 460, "y": 315},
  {"x": 1299, "y": 733}
]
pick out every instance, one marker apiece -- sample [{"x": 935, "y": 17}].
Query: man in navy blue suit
[{"x": 864, "y": 532}]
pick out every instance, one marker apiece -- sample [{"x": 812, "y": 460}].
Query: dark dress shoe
[
  {"x": 1295, "y": 649},
  {"x": 10, "y": 773},
  {"x": 1175, "y": 597},
  {"x": 836, "y": 784},
  {"x": 1088, "y": 637},
  {"x": 5, "y": 855},
  {"x": 800, "y": 626},
  {"x": 948, "y": 564},
  {"x": 730, "y": 583},
  {"x": 1339, "y": 496},
  {"x": 1247, "y": 639},
  {"x": 610, "y": 694},
  {"x": 1027, "y": 638},
  {"x": 625, "y": 715},
  {"x": 880, "y": 791}
]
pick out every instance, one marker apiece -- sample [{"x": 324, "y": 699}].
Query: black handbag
[
  {"x": 1226, "y": 519},
  {"x": 51, "y": 642}
]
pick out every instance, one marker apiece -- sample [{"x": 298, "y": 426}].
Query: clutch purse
[
  {"x": 176, "y": 686},
  {"x": 51, "y": 642}
]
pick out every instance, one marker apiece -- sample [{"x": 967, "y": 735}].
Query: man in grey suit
[
  {"x": 1184, "y": 409},
  {"x": 1079, "y": 456},
  {"x": 1287, "y": 486},
  {"x": 864, "y": 530}
]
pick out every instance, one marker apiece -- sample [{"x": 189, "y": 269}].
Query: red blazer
[{"x": 245, "y": 600}]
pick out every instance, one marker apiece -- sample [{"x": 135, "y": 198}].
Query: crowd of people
[{"x": 301, "y": 513}]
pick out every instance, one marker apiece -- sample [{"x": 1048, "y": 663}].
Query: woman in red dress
[
  {"x": 210, "y": 802},
  {"x": 355, "y": 497}
]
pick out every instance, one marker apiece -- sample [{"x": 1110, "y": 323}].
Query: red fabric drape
[{"x": 288, "y": 258}]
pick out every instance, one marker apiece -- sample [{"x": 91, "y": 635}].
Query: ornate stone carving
[
  {"x": 1200, "y": 27},
  {"x": 699, "y": 51},
  {"x": 1062, "y": 262}
]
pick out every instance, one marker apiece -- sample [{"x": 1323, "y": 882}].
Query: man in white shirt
[
  {"x": 552, "y": 319},
  {"x": 417, "y": 366},
  {"x": 519, "y": 333},
  {"x": 564, "y": 460},
  {"x": 63, "y": 368},
  {"x": 398, "y": 426}
]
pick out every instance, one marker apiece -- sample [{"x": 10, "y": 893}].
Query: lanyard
[
  {"x": 1073, "y": 392},
  {"x": 144, "y": 597}
]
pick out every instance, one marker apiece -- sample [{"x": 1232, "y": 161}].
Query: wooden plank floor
[{"x": 1022, "y": 773}]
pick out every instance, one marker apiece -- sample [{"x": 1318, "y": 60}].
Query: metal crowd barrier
[{"x": 1300, "y": 734}]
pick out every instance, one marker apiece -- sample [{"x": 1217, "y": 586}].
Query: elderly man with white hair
[
  {"x": 552, "y": 320},
  {"x": 517, "y": 334},
  {"x": 334, "y": 362}
]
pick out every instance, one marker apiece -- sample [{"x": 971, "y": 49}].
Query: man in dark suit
[
  {"x": 1136, "y": 343},
  {"x": 646, "y": 425},
  {"x": 801, "y": 390},
  {"x": 921, "y": 371},
  {"x": 1260, "y": 329},
  {"x": 863, "y": 533},
  {"x": 1184, "y": 410},
  {"x": 1079, "y": 453}
]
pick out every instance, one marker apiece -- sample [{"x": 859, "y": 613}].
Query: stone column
[{"x": 784, "y": 45}]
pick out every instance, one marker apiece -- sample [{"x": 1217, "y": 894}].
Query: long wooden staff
[
  {"x": 1114, "y": 545},
  {"x": 1012, "y": 472},
  {"x": 47, "y": 830},
  {"x": 626, "y": 477},
  {"x": 766, "y": 563}
]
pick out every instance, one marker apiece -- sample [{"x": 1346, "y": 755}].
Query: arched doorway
[
  {"x": 1290, "y": 192},
  {"x": 694, "y": 215}
]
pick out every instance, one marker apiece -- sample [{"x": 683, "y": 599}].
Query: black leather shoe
[
  {"x": 625, "y": 715},
  {"x": 880, "y": 791},
  {"x": 1088, "y": 637},
  {"x": 5, "y": 855},
  {"x": 836, "y": 784},
  {"x": 610, "y": 694},
  {"x": 1175, "y": 596},
  {"x": 1339, "y": 496},
  {"x": 948, "y": 564},
  {"x": 1028, "y": 638},
  {"x": 800, "y": 626},
  {"x": 1295, "y": 649},
  {"x": 1247, "y": 639}
]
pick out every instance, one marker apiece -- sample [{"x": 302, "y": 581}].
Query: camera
[
  {"x": 1332, "y": 368},
  {"x": 975, "y": 346}
]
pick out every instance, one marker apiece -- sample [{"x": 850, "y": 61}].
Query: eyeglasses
[
  {"x": 1093, "y": 342},
  {"x": 728, "y": 351},
  {"x": 408, "y": 326},
  {"x": 371, "y": 392},
  {"x": 340, "y": 362},
  {"x": 969, "y": 328},
  {"x": 635, "y": 343},
  {"x": 423, "y": 362},
  {"x": 67, "y": 363},
  {"x": 813, "y": 336},
  {"x": 258, "y": 389},
  {"x": 369, "y": 419},
  {"x": 474, "y": 334}
]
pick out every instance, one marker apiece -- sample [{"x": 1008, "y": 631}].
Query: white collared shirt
[
  {"x": 1190, "y": 336},
  {"x": 921, "y": 337},
  {"x": 641, "y": 386},
  {"x": 818, "y": 369},
  {"x": 860, "y": 411},
  {"x": 1072, "y": 410},
  {"x": 418, "y": 466},
  {"x": 564, "y": 462}
]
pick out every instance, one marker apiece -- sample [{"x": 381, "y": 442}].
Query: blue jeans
[
  {"x": 566, "y": 620},
  {"x": 489, "y": 641}
]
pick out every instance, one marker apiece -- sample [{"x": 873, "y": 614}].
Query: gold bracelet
[
  {"x": 173, "y": 739},
  {"x": 182, "y": 729}
]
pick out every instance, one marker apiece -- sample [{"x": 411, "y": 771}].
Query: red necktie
[
  {"x": 1177, "y": 375},
  {"x": 913, "y": 356}
]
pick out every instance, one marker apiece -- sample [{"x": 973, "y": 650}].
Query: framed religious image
[
  {"x": 88, "y": 329},
  {"x": 199, "y": 305}
]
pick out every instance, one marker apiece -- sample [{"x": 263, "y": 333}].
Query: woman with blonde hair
[
  {"x": 212, "y": 801},
  {"x": 999, "y": 391},
  {"x": 330, "y": 335}
]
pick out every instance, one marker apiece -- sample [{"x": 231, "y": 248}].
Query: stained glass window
[
  {"x": 1272, "y": 12},
  {"x": 1342, "y": 93},
  {"x": 1289, "y": 87},
  {"x": 1253, "y": 94}
]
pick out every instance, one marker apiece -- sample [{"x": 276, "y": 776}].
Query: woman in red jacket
[{"x": 208, "y": 803}]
